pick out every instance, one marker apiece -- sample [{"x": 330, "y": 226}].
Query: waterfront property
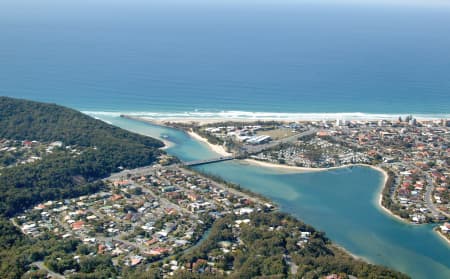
[
  {"x": 413, "y": 153},
  {"x": 348, "y": 212},
  {"x": 145, "y": 215}
]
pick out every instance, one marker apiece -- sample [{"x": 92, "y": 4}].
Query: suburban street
[{"x": 429, "y": 199}]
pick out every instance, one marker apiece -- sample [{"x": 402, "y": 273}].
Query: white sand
[
  {"x": 303, "y": 169},
  {"x": 167, "y": 144},
  {"x": 214, "y": 147},
  {"x": 280, "y": 166},
  {"x": 221, "y": 150},
  {"x": 442, "y": 236},
  {"x": 380, "y": 195},
  {"x": 198, "y": 121}
]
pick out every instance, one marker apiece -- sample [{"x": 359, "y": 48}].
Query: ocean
[
  {"x": 253, "y": 59},
  {"x": 249, "y": 59}
]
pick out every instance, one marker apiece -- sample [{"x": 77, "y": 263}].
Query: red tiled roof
[{"x": 77, "y": 225}]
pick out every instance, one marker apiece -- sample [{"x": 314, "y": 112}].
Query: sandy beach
[
  {"x": 221, "y": 150},
  {"x": 302, "y": 169},
  {"x": 189, "y": 119},
  {"x": 198, "y": 121},
  {"x": 380, "y": 195},
  {"x": 213, "y": 120},
  {"x": 282, "y": 167},
  {"x": 150, "y": 120},
  {"x": 442, "y": 236},
  {"x": 214, "y": 147},
  {"x": 349, "y": 253},
  {"x": 167, "y": 144}
]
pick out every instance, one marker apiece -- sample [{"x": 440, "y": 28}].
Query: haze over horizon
[
  {"x": 263, "y": 56},
  {"x": 335, "y": 112}
]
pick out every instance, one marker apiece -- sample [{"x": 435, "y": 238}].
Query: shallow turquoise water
[
  {"x": 343, "y": 204},
  {"x": 217, "y": 58},
  {"x": 184, "y": 147},
  {"x": 340, "y": 202}
]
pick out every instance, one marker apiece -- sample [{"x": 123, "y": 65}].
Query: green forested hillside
[
  {"x": 265, "y": 252},
  {"x": 102, "y": 149},
  {"x": 22, "y": 119},
  {"x": 105, "y": 149},
  {"x": 60, "y": 174}
]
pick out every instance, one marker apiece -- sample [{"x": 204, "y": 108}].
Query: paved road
[
  {"x": 133, "y": 172},
  {"x": 229, "y": 189},
  {"x": 429, "y": 199},
  {"x": 167, "y": 203},
  {"x": 293, "y": 268},
  {"x": 118, "y": 238},
  {"x": 252, "y": 149},
  {"x": 145, "y": 171},
  {"x": 41, "y": 266}
]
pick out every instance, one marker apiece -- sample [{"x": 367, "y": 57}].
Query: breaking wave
[{"x": 264, "y": 115}]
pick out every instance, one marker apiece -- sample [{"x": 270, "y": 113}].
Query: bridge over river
[
  {"x": 208, "y": 161},
  {"x": 248, "y": 149}
]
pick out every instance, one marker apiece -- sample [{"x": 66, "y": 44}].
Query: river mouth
[{"x": 341, "y": 202}]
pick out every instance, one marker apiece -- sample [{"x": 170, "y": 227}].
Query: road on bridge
[{"x": 208, "y": 161}]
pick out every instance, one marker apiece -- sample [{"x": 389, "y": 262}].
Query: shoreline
[
  {"x": 280, "y": 166},
  {"x": 378, "y": 202},
  {"x": 443, "y": 237},
  {"x": 303, "y": 169},
  {"x": 214, "y": 147},
  {"x": 145, "y": 120},
  {"x": 167, "y": 144},
  {"x": 221, "y": 151},
  {"x": 186, "y": 117},
  {"x": 343, "y": 249},
  {"x": 248, "y": 119},
  {"x": 380, "y": 196}
]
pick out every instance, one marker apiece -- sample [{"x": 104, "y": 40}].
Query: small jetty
[{"x": 208, "y": 161}]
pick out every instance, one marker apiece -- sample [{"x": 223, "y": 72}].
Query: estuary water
[
  {"x": 250, "y": 59},
  {"x": 341, "y": 202}
]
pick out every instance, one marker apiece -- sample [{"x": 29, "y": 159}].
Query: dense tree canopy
[
  {"x": 264, "y": 244},
  {"x": 22, "y": 119},
  {"x": 264, "y": 250},
  {"x": 106, "y": 149}
]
